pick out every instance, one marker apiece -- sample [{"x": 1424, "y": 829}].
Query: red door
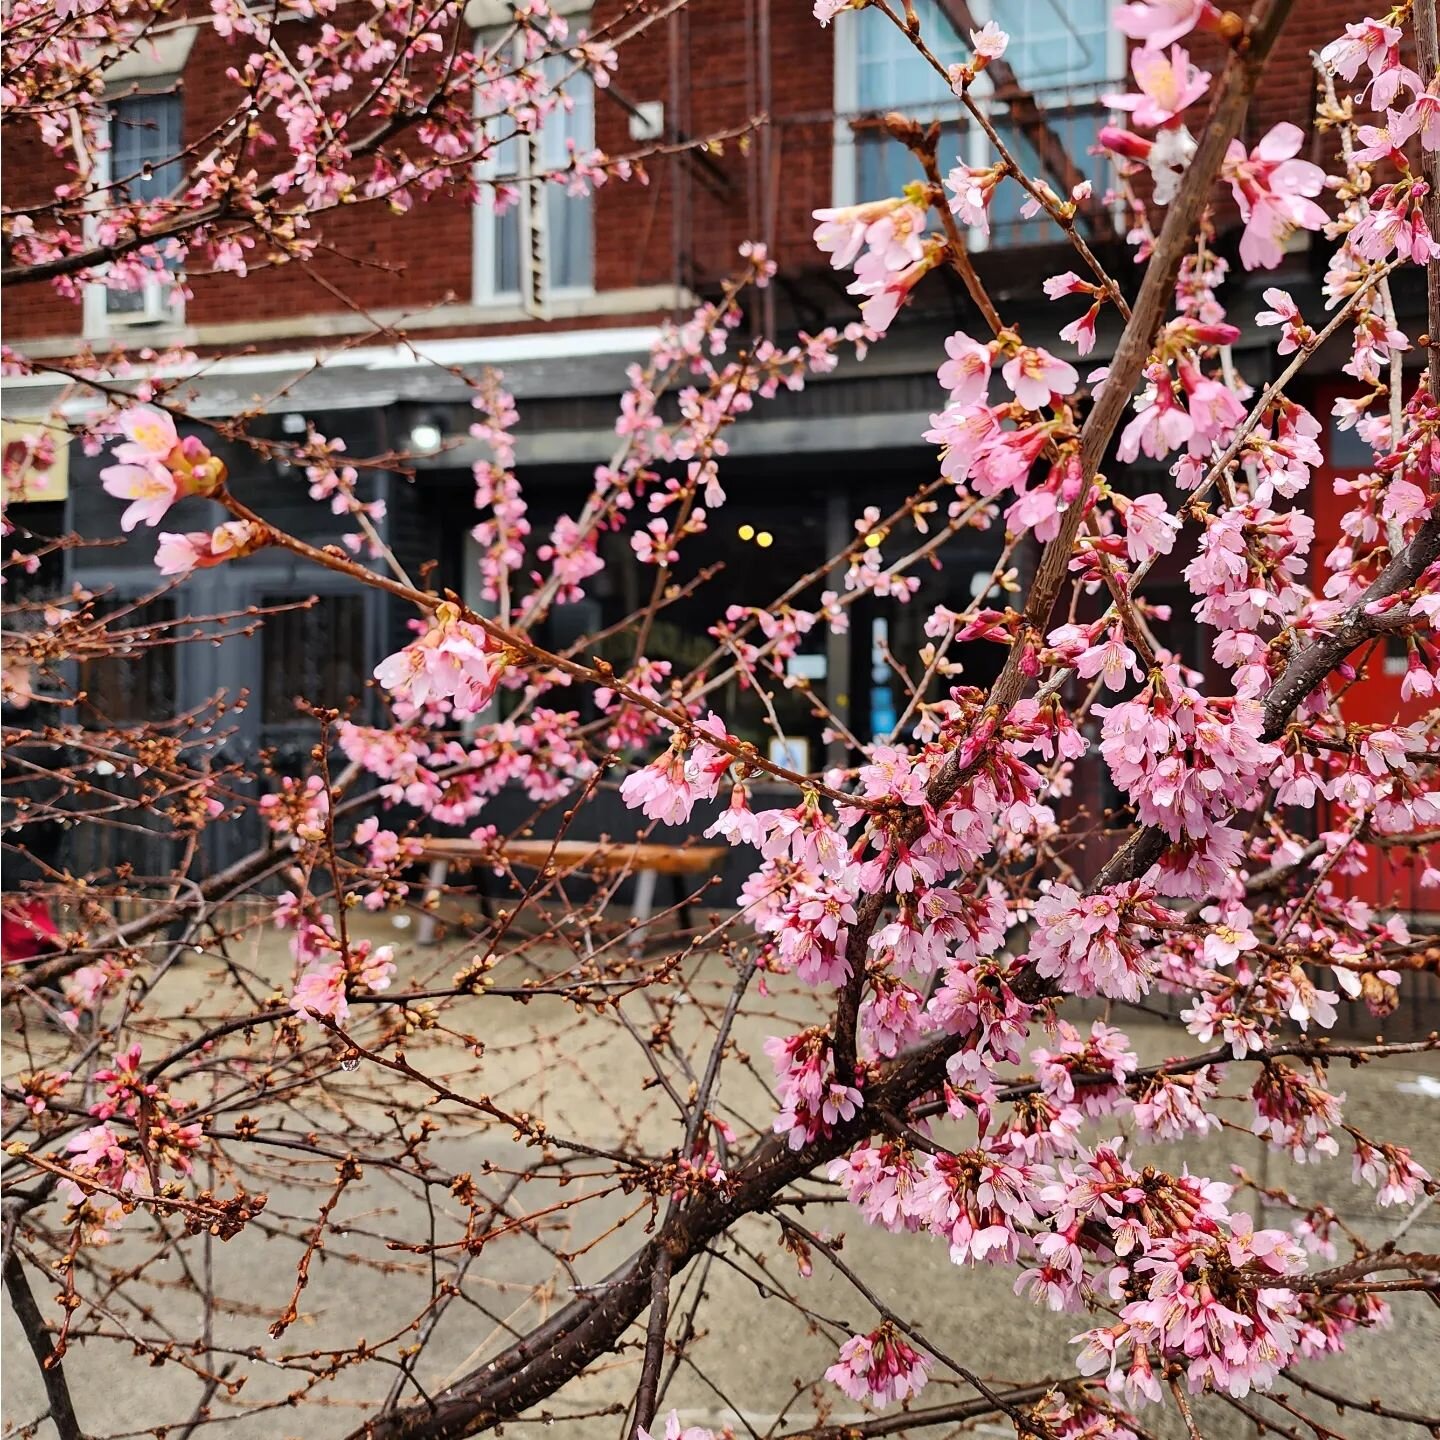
[{"x": 1392, "y": 879}]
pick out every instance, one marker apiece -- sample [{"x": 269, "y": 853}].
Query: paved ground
[{"x": 757, "y": 1356}]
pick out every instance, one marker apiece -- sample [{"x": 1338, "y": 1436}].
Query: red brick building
[
  {"x": 450, "y": 275},
  {"x": 708, "y": 69}
]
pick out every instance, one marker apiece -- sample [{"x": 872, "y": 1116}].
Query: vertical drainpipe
[
  {"x": 378, "y": 602},
  {"x": 674, "y": 130},
  {"x": 755, "y": 177},
  {"x": 767, "y": 162},
  {"x": 838, "y": 534}
]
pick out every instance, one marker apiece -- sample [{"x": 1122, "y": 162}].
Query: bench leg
[
  {"x": 434, "y": 883},
  {"x": 682, "y": 900},
  {"x": 644, "y": 903}
]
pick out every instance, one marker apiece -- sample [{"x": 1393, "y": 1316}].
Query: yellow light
[
  {"x": 873, "y": 539},
  {"x": 764, "y": 539},
  {"x": 746, "y": 532}
]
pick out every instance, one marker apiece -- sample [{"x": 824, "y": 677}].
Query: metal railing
[{"x": 866, "y": 163}]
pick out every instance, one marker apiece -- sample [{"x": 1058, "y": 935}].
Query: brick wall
[{"x": 702, "y": 207}]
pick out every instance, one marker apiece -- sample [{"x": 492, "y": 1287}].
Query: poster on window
[{"x": 37, "y": 461}]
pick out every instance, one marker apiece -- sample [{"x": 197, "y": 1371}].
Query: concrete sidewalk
[{"x": 757, "y": 1357}]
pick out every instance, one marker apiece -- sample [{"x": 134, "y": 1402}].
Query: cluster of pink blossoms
[
  {"x": 201, "y": 549},
  {"x": 329, "y": 972},
  {"x": 689, "y": 771},
  {"x": 299, "y": 89},
  {"x": 502, "y": 537},
  {"x": 812, "y": 1100},
  {"x": 1188, "y": 764},
  {"x": 1193, "y": 1282},
  {"x": 155, "y": 467},
  {"x": 1205, "y": 1304},
  {"x": 155, "y": 470},
  {"x": 880, "y": 1367},
  {"x": 1273, "y": 189},
  {"x": 1099, "y": 943},
  {"x": 327, "y": 982},
  {"x": 887, "y": 243},
  {"x": 455, "y": 662},
  {"x": 981, "y": 447},
  {"x": 114, "y": 1156},
  {"x": 298, "y": 810}
]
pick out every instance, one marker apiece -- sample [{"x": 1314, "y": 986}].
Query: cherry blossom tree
[{"x": 912, "y": 937}]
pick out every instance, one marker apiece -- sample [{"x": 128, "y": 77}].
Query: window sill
[
  {"x": 599, "y": 304},
  {"x": 580, "y": 304}
]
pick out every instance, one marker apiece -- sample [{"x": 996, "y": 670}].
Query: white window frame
[
  {"x": 535, "y": 294},
  {"x": 844, "y": 167},
  {"x": 164, "y": 299}
]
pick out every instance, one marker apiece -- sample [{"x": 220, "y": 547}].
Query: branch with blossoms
[{"x": 912, "y": 934}]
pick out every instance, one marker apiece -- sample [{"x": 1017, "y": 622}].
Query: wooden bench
[{"x": 568, "y": 856}]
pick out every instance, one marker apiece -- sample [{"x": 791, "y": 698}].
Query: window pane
[
  {"x": 1059, "y": 50},
  {"x": 136, "y": 683},
  {"x": 569, "y": 233},
  {"x": 317, "y": 652},
  {"x": 507, "y": 252},
  {"x": 885, "y": 167},
  {"x": 145, "y": 132},
  {"x": 568, "y": 217},
  {"x": 892, "y": 72},
  {"x": 124, "y": 302},
  {"x": 1055, "y": 43},
  {"x": 570, "y": 251},
  {"x": 145, "y": 141}
]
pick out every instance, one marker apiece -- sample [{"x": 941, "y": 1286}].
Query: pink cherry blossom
[
  {"x": 1272, "y": 189},
  {"x": 198, "y": 550},
  {"x": 1150, "y": 529},
  {"x": 1168, "y": 86},
  {"x": 1097, "y": 943},
  {"x": 886, "y": 287},
  {"x": 1284, "y": 311},
  {"x": 1367, "y": 42},
  {"x": 1081, "y": 333},
  {"x": 966, "y": 374},
  {"x": 989, "y": 41},
  {"x": 150, "y": 434},
  {"x": 151, "y": 488},
  {"x": 1036, "y": 377},
  {"x": 1160, "y": 22},
  {"x": 971, "y": 190}
]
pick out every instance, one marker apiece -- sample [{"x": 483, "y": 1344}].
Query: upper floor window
[
  {"x": 1064, "y": 53},
  {"x": 144, "y": 163},
  {"x": 543, "y": 244}
]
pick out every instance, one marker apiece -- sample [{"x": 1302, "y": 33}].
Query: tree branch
[
  {"x": 62, "y": 1411},
  {"x": 654, "y": 1342},
  {"x": 904, "y": 1421}
]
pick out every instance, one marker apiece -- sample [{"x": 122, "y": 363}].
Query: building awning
[{"x": 543, "y": 363}]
